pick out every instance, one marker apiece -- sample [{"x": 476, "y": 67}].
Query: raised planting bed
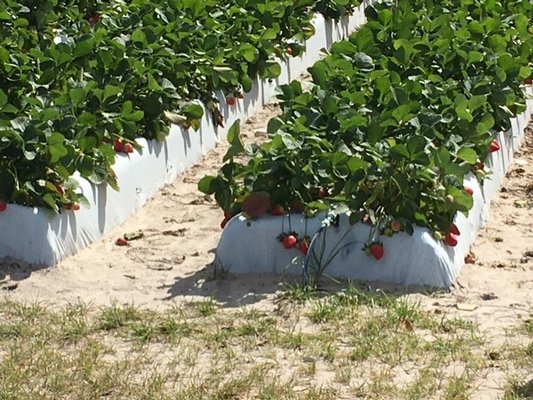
[
  {"x": 41, "y": 237},
  {"x": 252, "y": 246},
  {"x": 384, "y": 168}
]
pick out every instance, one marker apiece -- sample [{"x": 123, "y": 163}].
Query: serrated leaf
[
  {"x": 467, "y": 154},
  {"x": 192, "y": 111},
  {"x": 77, "y": 96},
  {"x": 234, "y": 139},
  {"x": 363, "y": 61}
]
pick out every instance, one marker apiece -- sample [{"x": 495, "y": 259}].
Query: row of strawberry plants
[
  {"x": 396, "y": 118},
  {"x": 80, "y": 77}
]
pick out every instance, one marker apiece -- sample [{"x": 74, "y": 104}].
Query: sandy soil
[{"x": 172, "y": 262}]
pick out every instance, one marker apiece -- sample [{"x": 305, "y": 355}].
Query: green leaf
[
  {"x": 77, "y": 96},
  {"x": 272, "y": 70},
  {"x": 467, "y": 154},
  {"x": 192, "y": 111},
  {"x": 138, "y": 36},
  {"x": 111, "y": 91},
  {"x": 274, "y": 124},
  {"x": 234, "y": 139},
  {"x": 416, "y": 144},
  {"x": 210, "y": 42},
  {"x": 83, "y": 48},
  {"x": 363, "y": 61},
  {"x": 525, "y": 72},
  {"x": 152, "y": 84},
  {"x": 49, "y": 200},
  {"x": 247, "y": 83},
  {"x": 153, "y": 104},
  {"x": 269, "y": 34},
  {"x": 135, "y": 116},
  {"x": 87, "y": 119},
  {"x": 401, "y": 150},
  {"x": 401, "y": 112},
  {"x": 249, "y": 52},
  {"x": 474, "y": 57},
  {"x": 3, "y": 99},
  {"x": 208, "y": 184}
]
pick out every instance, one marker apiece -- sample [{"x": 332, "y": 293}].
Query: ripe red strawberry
[
  {"x": 3, "y": 205},
  {"x": 396, "y": 226},
  {"x": 128, "y": 148},
  {"x": 377, "y": 250},
  {"x": 277, "y": 209},
  {"x": 454, "y": 229},
  {"x": 494, "y": 146},
  {"x": 451, "y": 239},
  {"x": 230, "y": 101},
  {"x": 121, "y": 242},
  {"x": 304, "y": 246},
  {"x": 290, "y": 241},
  {"x": 469, "y": 190},
  {"x": 290, "y": 51},
  {"x": 118, "y": 146}
]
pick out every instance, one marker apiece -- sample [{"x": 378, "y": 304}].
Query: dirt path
[{"x": 181, "y": 228}]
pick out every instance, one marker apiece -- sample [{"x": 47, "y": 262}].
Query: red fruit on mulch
[
  {"x": 290, "y": 241},
  {"x": 304, "y": 246},
  {"x": 451, "y": 239},
  {"x": 72, "y": 206},
  {"x": 469, "y": 190},
  {"x": 256, "y": 204},
  {"x": 118, "y": 146},
  {"x": 3, "y": 205},
  {"x": 230, "y": 101},
  {"x": 121, "y": 242},
  {"x": 377, "y": 251},
  {"x": 277, "y": 210},
  {"x": 454, "y": 230},
  {"x": 494, "y": 146},
  {"x": 128, "y": 148}
]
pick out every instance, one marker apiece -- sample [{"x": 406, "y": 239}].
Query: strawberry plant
[
  {"x": 78, "y": 77},
  {"x": 397, "y": 116}
]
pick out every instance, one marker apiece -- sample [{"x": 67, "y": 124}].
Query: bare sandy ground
[
  {"x": 172, "y": 262},
  {"x": 181, "y": 231}
]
